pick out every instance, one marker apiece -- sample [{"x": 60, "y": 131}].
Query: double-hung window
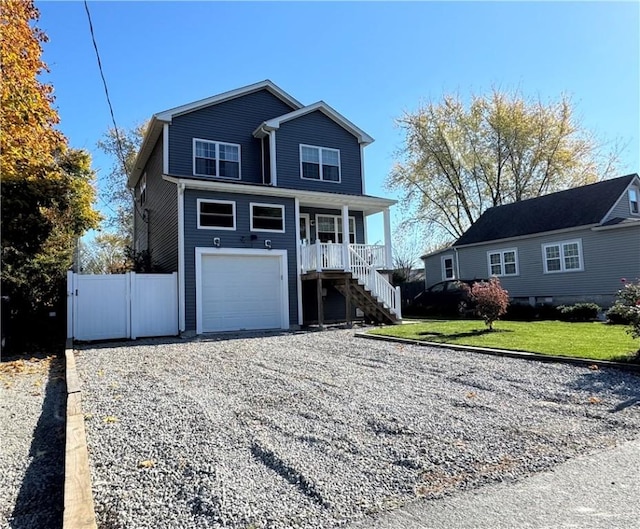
[
  {"x": 503, "y": 262},
  {"x": 447, "y": 267},
  {"x": 216, "y": 214},
  {"x": 633, "y": 200},
  {"x": 565, "y": 256},
  {"x": 214, "y": 158},
  {"x": 267, "y": 217},
  {"x": 319, "y": 163},
  {"x": 329, "y": 228},
  {"x": 143, "y": 189}
]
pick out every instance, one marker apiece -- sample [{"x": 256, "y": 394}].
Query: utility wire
[{"x": 119, "y": 147}]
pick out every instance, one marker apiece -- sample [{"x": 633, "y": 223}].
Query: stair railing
[{"x": 373, "y": 281}]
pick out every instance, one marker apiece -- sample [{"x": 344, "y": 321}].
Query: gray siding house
[
  {"x": 258, "y": 203},
  {"x": 565, "y": 247}
]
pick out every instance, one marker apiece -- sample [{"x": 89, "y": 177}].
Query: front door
[{"x": 305, "y": 235}]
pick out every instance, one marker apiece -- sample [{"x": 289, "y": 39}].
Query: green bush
[
  {"x": 627, "y": 307},
  {"x": 579, "y": 312}
]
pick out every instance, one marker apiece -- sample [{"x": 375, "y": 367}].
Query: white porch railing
[{"x": 361, "y": 260}]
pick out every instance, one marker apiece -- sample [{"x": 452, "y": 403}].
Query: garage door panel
[{"x": 241, "y": 292}]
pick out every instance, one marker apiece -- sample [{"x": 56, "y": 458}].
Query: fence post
[
  {"x": 318, "y": 257},
  {"x": 398, "y": 303},
  {"x": 70, "y": 301},
  {"x": 132, "y": 305}
]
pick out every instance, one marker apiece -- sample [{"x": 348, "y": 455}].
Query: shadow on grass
[
  {"x": 40, "y": 500},
  {"x": 468, "y": 334}
]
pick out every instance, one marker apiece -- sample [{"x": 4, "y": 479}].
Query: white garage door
[{"x": 244, "y": 291}]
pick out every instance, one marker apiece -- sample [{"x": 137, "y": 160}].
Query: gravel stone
[
  {"x": 320, "y": 429},
  {"x": 32, "y": 419}
]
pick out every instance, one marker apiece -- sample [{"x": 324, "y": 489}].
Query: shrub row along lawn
[{"x": 581, "y": 340}]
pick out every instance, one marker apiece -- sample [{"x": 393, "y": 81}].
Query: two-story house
[
  {"x": 565, "y": 247},
  {"x": 258, "y": 203}
]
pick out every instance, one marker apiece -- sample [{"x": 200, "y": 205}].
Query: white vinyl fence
[{"x": 103, "y": 307}]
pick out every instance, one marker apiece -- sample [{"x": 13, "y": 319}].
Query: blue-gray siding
[
  {"x": 239, "y": 238},
  {"x": 318, "y": 130},
  {"x": 159, "y": 234},
  {"x": 312, "y": 212},
  {"x": 231, "y": 121},
  {"x": 622, "y": 209},
  {"x": 609, "y": 255}
]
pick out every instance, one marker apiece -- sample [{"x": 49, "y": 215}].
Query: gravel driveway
[{"x": 320, "y": 429}]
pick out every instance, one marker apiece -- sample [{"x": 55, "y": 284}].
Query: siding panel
[
  {"x": 232, "y": 121},
  {"x": 240, "y": 238},
  {"x": 318, "y": 130}
]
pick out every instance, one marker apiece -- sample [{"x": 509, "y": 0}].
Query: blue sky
[{"x": 369, "y": 60}]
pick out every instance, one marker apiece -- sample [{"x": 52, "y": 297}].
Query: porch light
[{"x": 216, "y": 242}]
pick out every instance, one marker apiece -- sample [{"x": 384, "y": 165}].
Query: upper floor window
[
  {"x": 216, "y": 214},
  {"x": 143, "y": 189},
  {"x": 213, "y": 158},
  {"x": 503, "y": 262},
  {"x": 633, "y": 200},
  {"x": 565, "y": 256},
  {"x": 319, "y": 163},
  {"x": 267, "y": 217},
  {"x": 447, "y": 267}
]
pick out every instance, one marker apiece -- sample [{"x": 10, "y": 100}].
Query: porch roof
[{"x": 368, "y": 204}]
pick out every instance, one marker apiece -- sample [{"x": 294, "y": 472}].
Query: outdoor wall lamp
[
  {"x": 267, "y": 244},
  {"x": 216, "y": 242}
]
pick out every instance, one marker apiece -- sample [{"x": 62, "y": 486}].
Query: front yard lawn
[{"x": 581, "y": 340}]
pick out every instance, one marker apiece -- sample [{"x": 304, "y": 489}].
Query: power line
[{"x": 119, "y": 147}]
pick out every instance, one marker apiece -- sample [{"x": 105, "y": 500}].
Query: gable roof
[
  {"x": 321, "y": 106},
  {"x": 579, "y": 206},
  {"x": 154, "y": 129}
]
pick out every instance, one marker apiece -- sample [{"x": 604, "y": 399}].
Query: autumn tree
[
  {"x": 122, "y": 146},
  {"x": 47, "y": 188},
  {"x": 458, "y": 160}
]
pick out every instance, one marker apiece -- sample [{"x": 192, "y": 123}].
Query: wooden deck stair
[{"x": 362, "y": 298}]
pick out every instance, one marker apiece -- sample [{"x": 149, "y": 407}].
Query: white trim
[
  {"x": 346, "y": 239},
  {"x": 181, "y": 284},
  {"x": 282, "y": 254},
  {"x": 442, "y": 265},
  {"x": 272, "y": 158},
  {"x": 368, "y": 205},
  {"x": 635, "y": 181},
  {"x": 366, "y": 229},
  {"x": 335, "y": 227},
  {"x": 320, "y": 164},
  {"x": 635, "y": 190},
  {"x": 217, "y": 147},
  {"x": 364, "y": 190},
  {"x": 165, "y": 148},
  {"x": 561, "y": 256},
  {"x": 298, "y": 256},
  {"x": 501, "y": 253},
  {"x": 386, "y": 217},
  {"x": 264, "y": 204},
  {"x": 226, "y": 96},
  {"x": 212, "y": 201},
  {"x": 274, "y": 123},
  {"x": 307, "y": 218}
]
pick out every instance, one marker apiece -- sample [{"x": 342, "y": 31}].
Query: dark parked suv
[{"x": 446, "y": 297}]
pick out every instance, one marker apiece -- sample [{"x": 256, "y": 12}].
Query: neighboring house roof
[
  {"x": 579, "y": 206},
  {"x": 158, "y": 120},
  {"x": 448, "y": 248},
  {"x": 321, "y": 106}
]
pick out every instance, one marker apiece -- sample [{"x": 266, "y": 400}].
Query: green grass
[{"x": 580, "y": 340}]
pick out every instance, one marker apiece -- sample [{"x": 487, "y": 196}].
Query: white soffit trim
[
  {"x": 321, "y": 106},
  {"x": 370, "y": 205},
  {"x": 635, "y": 182}
]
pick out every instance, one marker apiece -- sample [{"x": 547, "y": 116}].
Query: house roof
[
  {"x": 156, "y": 124},
  {"x": 321, "y": 106},
  {"x": 579, "y": 206}
]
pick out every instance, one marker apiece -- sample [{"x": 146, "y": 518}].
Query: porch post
[
  {"x": 345, "y": 239},
  {"x": 388, "y": 256}
]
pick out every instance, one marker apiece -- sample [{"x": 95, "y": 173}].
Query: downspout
[
  {"x": 455, "y": 251},
  {"x": 181, "y": 287}
]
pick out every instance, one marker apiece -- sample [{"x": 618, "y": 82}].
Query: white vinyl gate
[{"x": 103, "y": 307}]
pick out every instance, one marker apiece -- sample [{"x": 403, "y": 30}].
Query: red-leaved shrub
[{"x": 491, "y": 300}]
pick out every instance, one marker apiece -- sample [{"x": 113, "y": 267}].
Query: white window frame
[
  {"x": 143, "y": 189},
  {"x": 336, "y": 231},
  {"x": 320, "y": 149},
  {"x": 209, "y": 201},
  {"x": 217, "y": 145},
  {"x": 444, "y": 268},
  {"x": 636, "y": 191},
  {"x": 561, "y": 245},
  {"x": 502, "y": 262},
  {"x": 262, "y": 204}
]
